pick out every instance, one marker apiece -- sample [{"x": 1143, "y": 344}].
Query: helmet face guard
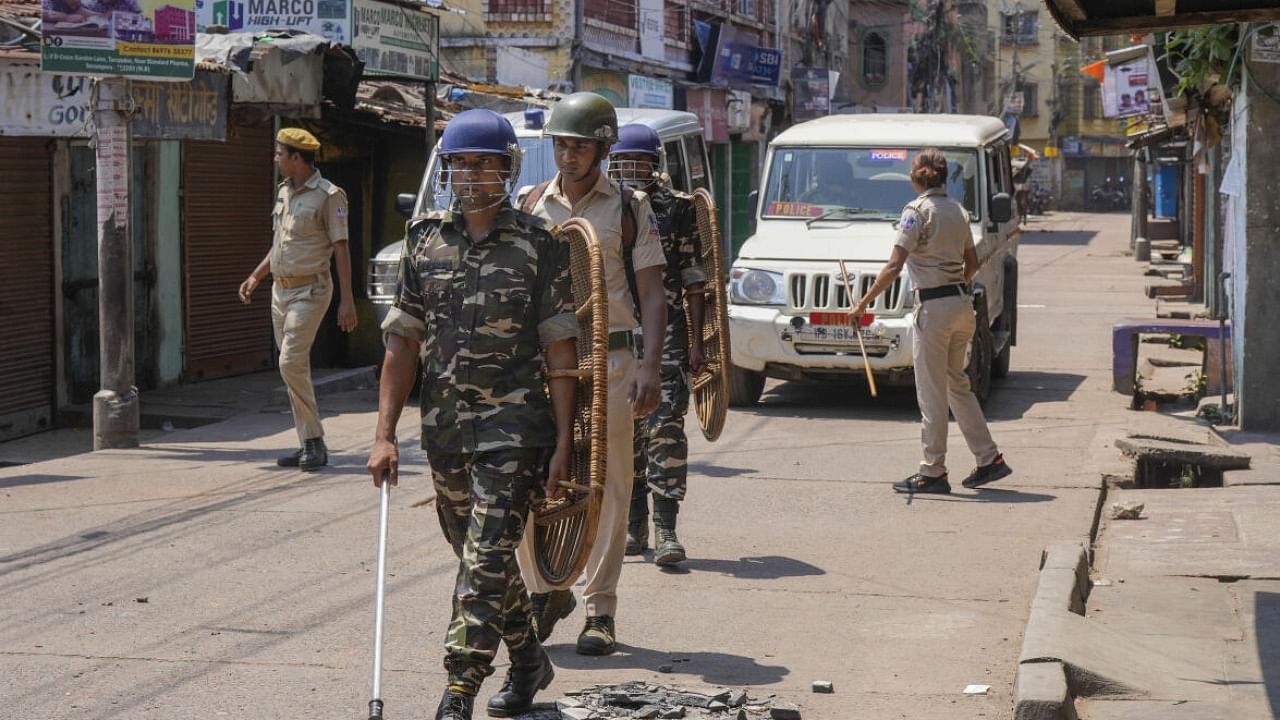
[
  {"x": 482, "y": 134},
  {"x": 477, "y": 188},
  {"x": 637, "y": 158},
  {"x": 635, "y": 173}
]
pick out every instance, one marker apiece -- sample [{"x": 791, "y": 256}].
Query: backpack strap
[
  {"x": 531, "y": 200},
  {"x": 629, "y": 245}
]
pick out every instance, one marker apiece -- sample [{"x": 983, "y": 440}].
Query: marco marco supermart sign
[{"x": 390, "y": 38}]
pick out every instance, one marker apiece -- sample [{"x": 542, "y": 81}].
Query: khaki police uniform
[
  {"x": 934, "y": 230},
  {"x": 602, "y": 207},
  {"x": 308, "y": 220}
]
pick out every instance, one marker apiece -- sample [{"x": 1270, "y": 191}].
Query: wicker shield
[
  {"x": 564, "y": 529},
  {"x": 710, "y": 385}
]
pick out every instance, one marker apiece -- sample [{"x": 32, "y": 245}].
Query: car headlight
[{"x": 756, "y": 287}]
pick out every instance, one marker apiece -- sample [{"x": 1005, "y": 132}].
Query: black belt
[{"x": 941, "y": 291}]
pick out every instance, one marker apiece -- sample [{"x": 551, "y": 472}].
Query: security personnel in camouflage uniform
[
  {"x": 484, "y": 290},
  {"x": 662, "y": 449},
  {"x": 310, "y": 220}
]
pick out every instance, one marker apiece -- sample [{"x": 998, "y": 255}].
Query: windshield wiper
[{"x": 842, "y": 212}]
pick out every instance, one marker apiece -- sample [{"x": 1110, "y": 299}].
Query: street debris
[
  {"x": 976, "y": 689},
  {"x": 1102, "y": 582},
  {"x": 646, "y": 701},
  {"x": 823, "y": 686},
  {"x": 1128, "y": 510}
]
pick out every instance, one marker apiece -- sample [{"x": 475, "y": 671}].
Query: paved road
[{"x": 192, "y": 579}]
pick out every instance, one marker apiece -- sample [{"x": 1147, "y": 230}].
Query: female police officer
[{"x": 935, "y": 244}]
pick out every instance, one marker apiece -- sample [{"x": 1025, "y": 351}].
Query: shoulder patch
[{"x": 909, "y": 220}]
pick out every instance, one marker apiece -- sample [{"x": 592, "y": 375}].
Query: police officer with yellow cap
[{"x": 310, "y": 225}]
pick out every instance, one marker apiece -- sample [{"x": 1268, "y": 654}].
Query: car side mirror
[
  {"x": 753, "y": 198},
  {"x": 1001, "y": 207},
  {"x": 404, "y": 204}
]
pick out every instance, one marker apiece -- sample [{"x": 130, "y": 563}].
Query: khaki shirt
[
  {"x": 934, "y": 230},
  {"x": 307, "y": 221},
  {"x": 602, "y": 207}
]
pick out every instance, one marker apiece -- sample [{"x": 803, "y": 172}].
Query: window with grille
[
  {"x": 875, "y": 58},
  {"x": 615, "y": 12},
  {"x": 1020, "y": 28},
  {"x": 518, "y": 7},
  {"x": 1030, "y": 99},
  {"x": 676, "y": 24},
  {"x": 1091, "y": 102}
]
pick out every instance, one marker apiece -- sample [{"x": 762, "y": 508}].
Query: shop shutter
[
  {"x": 228, "y": 194},
  {"x": 27, "y": 355}
]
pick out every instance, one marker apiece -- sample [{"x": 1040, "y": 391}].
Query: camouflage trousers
[
  {"x": 482, "y": 500},
  {"x": 662, "y": 449}
]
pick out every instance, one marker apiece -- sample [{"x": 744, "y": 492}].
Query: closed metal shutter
[
  {"x": 228, "y": 194},
  {"x": 27, "y": 355}
]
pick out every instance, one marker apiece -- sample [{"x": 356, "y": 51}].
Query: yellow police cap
[{"x": 299, "y": 139}]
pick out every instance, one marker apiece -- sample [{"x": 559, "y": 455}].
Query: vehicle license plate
[{"x": 839, "y": 334}]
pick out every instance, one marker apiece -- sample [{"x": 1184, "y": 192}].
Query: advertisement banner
[
  {"x": 810, "y": 93},
  {"x": 50, "y": 105},
  {"x": 647, "y": 92},
  {"x": 330, "y": 19},
  {"x": 1126, "y": 87},
  {"x": 740, "y": 61},
  {"x": 127, "y": 38},
  {"x": 392, "y": 39},
  {"x": 652, "y": 18}
]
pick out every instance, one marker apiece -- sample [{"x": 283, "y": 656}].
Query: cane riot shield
[{"x": 710, "y": 384}]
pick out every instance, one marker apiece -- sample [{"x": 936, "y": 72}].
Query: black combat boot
[
  {"x": 290, "y": 460},
  {"x": 455, "y": 706},
  {"x": 667, "y": 547},
  {"x": 530, "y": 672},
  {"x": 314, "y": 455},
  {"x": 549, "y": 609},
  {"x": 638, "y": 524}
]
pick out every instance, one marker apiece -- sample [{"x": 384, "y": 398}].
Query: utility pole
[
  {"x": 429, "y": 97},
  {"x": 115, "y": 405}
]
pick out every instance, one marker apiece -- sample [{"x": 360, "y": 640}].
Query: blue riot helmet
[
  {"x": 478, "y": 131},
  {"x": 636, "y": 139}
]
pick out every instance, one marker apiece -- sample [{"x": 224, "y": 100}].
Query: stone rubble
[{"x": 639, "y": 700}]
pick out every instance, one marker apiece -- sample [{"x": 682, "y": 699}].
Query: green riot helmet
[{"x": 584, "y": 115}]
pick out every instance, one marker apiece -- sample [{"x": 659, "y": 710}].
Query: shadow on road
[
  {"x": 766, "y": 567},
  {"x": 715, "y": 668},
  {"x": 1013, "y": 396},
  {"x": 987, "y": 495},
  {"x": 1058, "y": 237},
  {"x": 720, "y": 471},
  {"x": 37, "y": 480},
  {"x": 1266, "y": 615}
]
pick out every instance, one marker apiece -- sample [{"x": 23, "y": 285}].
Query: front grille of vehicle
[
  {"x": 382, "y": 280},
  {"x": 810, "y": 291}
]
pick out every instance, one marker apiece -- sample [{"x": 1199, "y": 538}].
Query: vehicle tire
[
  {"x": 981, "y": 352},
  {"x": 1008, "y": 318},
  {"x": 745, "y": 387}
]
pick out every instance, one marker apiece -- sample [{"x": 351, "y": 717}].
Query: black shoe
[
  {"x": 637, "y": 539},
  {"x": 669, "y": 550},
  {"x": 290, "y": 460},
  {"x": 549, "y": 609},
  {"x": 314, "y": 455},
  {"x": 597, "y": 636},
  {"x": 988, "y": 473},
  {"x": 525, "y": 678},
  {"x": 455, "y": 706},
  {"x": 923, "y": 484}
]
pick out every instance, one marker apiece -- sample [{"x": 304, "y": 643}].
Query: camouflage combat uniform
[
  {"x": 484, "y": 311},
  {"x": 662, "y": 449}
]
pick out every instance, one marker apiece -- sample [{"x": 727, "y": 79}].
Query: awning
[{"x": 1079, "y": 18}]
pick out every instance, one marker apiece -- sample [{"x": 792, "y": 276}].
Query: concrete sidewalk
[{"x": 191, "y": 578}]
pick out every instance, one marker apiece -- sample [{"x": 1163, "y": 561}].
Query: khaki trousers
[
  {"x": 295, "y": 317},
  {"x": 604, "y": 564},
  {"x": 944, "y": 328}
]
